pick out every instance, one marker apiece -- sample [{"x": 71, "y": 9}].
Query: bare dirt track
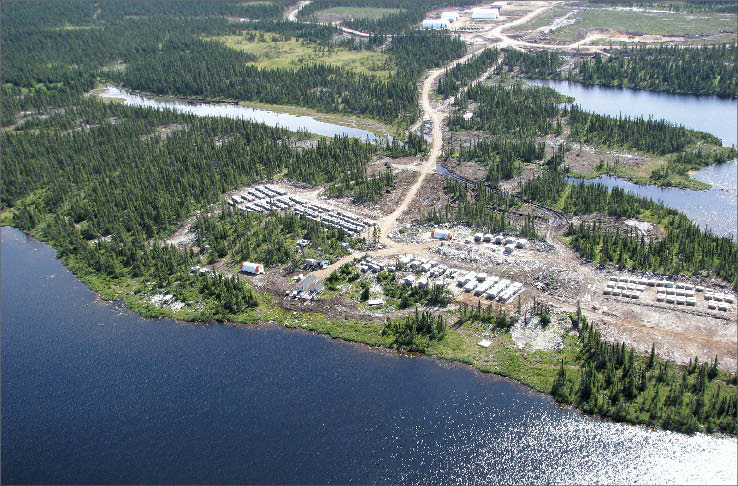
[{"x": 556, "y": 276}]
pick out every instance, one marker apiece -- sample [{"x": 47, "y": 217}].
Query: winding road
[{"x": 437, "y": 116}]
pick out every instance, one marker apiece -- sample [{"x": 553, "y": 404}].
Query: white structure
[
  {"x": 450, "y": 16},
  {"x": 441, "y": 234},
  {"x": 485, "y": 13},
  {"x": 436, "y": 24},
  {"x": 252, "y": 268},
  {"x": 498, "y": 5}
]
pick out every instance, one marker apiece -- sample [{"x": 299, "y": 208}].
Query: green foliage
[
  {"x": 654, "y": 136},
  {"x": 417, "y": 51},
  {"x": 465, "y": 72},
  {"x": 266, "y": 238},
  {"x": 486, "y": 209},
  {"x": 502, "y": 156},
  {"x": 416, "y": 331},
  {"x": 684, "y": 249},
  {"x": 364, "y": 296},
  {"x": 489, "y": 316},
  {"x": 707, "y": 70},
  {"x": 434, "y": 295},
  {"x": 676, "y": 5},
  {"x": 618, "y": 384},
  {"x": 535, "y": 64},
  {"x": 412, "y": 12},
  {"x": 519, "y": 111}
]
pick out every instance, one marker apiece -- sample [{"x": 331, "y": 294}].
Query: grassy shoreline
[
  {"x": 376, "y": 127},
  {"x": 537, "y": 369}
]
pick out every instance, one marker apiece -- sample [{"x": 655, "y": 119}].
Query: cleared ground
[
  {"x": 640, "y": 23},
  {"x": 273, "y": 51},
  {"x": 345, "y": 13}
]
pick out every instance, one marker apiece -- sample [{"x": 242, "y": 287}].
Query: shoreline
[{"x": 368, "y": 334}]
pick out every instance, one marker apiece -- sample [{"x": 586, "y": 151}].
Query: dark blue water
[
  {"x": 94, "y": 394},
  {"x": 711, "y": 114}
]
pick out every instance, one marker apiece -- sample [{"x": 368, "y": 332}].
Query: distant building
[
  {"x": 498, "y": 5},
  {"x": 450, "y": 16},
  {"x": 435, "y": 24},
  {"x": 485, "y": 13}
]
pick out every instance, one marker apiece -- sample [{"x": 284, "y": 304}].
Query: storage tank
[
  {"x": 252, "y": 268},
  {"x": 441, "y": 234}
]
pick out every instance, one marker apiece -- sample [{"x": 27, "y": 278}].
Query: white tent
[
  {"x": 485, "y": 13},
  {"x": 436, "y": 24}
]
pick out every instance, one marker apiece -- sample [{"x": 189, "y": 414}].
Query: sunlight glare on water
[{"x": 489, "y": 444}]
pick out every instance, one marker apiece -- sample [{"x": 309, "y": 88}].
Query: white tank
[{"x": 441, "y": 234}]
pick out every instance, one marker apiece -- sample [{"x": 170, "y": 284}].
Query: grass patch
[
  {"x": 256, "y": 3},
  {"x": 627, "y": 21},
  {"x": 542, "y": 20},
  {"x": 345, "y": 13},
  {"x": 273, "y": 51}
]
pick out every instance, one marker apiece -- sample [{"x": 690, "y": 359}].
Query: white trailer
[{"x": 252, "y": 268}]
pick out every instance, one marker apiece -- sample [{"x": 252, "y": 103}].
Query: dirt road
[
  {"x": 437, "y": 116},
  {"x": 291, "y": 13}
]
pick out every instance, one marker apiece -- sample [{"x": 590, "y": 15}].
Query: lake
[
  {"x": 232, "y": 110},
  {"x": 715, "y": 208},
  {"x": 92, "y": 393}
]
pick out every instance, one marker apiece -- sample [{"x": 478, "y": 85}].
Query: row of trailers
[
  {"x": 267, "y": 198},
  {"x": 491, "y": 287}
]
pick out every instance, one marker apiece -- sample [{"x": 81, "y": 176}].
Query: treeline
[
  {"x": 658, "y": 137},
  {"x": 124, "y": 255},
  {"x": 432, "y": 295},
  {"x": 705, "y": 70},
  {"x": 417, "y": 51},
  {"x": 517, "y": 111},
  {"x": 363, "y": 188},
  {"x": 412, "y": 13},
  {"x": 675, "y": 6},
  {"x": 615, "y": 382},
  {"x": 211, "y": 70},
  {"x": 104, "y": 174},
  {"x": 266, "y": 238},
  {"x": 417, "y": 331},
  {"x": 464, "y": 73},
  {"x": 502, "y": 156},
  {"x": 60, "y": 48},
  {"x": 496, "y": 318},
  {"x": 685, "y": 249},
  {"x": 481, "y": 207},
  {"x": 534, "y": 64}
]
